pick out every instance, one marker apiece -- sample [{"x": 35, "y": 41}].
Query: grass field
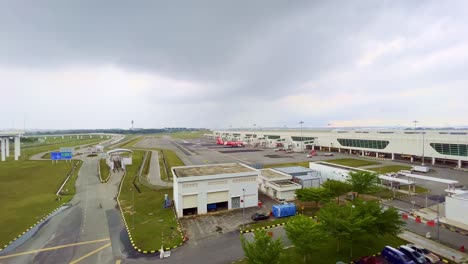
[
  {"x": 303, "y": 164},
  {"x": 105, "y": 170},
  {"x": 172, "y": 160},
  {"x": 151, "y": 220},
  {"x": 26, "y": 153},
  {"x": 189, "y": 134},
  {"x": 390, "y": 168},
  {"x": 27, "y": 192},
  {"x": 131, "y": 142},
  {"x": 327, "y": 254},
  {"x": 147, "y": 164},
  {"x": 69, "y": 189},
  {"x": 352, "y": 162}
]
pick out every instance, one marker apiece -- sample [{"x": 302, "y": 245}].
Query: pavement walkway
[
  {"x": 435, "y": 247},
  {"x": 154, "y": 175}
]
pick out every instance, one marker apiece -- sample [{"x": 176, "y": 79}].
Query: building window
[
  {"x": 363, "y": 143},
  {"x": 451, "y": 149},
  {"x": 302, "y": 138}
]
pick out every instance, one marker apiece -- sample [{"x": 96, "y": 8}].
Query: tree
[
  {"x": 337, "y": 188},
  {"x": 357, "y": 222},
  {"x": 362, "y": 181},
  {"x": 263, "y": 249},
  {"x": 305, "y": 234},
  {"x": 313, "y": 195}
]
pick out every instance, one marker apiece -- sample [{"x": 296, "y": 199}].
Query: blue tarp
[{"x": 283, "y": 210}]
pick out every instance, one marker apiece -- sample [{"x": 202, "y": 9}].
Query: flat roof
[
  {"x": 285, "y": 183},
  {"x": 393, "y": 179},
  {"x": 308, "y": 177},
  {"x": 463, "y": 195},
  {"x": 294, "y": 169},
  {"x": 427, "y": 178},
  {"x": 271, "y": 174},
  {"x": 215, "y": 169}
]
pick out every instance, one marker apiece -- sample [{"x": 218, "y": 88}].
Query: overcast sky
[{"x": 215, "y": 64}]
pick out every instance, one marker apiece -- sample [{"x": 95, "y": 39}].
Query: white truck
[{"x": 420, "y": 169}]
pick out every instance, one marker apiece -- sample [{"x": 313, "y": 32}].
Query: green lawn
[
  {"x": 352, "y": 162},
  {"x": 28, "y": 152},
  {"x": 131, "y": 142},
  {"x": 105, "y": 170},
  {"x": 172, "y": 160},
  {"x": 390, "y": 168},
  {"x": 327, "y": 254},
  {"x": 290, "y": 164},
  {"x": 151, "y": 219},
  {"x": 27, "y": 192},
  {"x": 69, "y": 189},
  {"x": 147, "y": 164}
]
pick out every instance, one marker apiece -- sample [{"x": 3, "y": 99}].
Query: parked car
[
  {"x": 260, "y": 216},
  {"x": 370, "y": 260},
  {"x": 413, "y": 255},
  {"x": 430, "y": 257},
  {"x": 395, "y": 256},
  {"x": 328, "y": 154}
]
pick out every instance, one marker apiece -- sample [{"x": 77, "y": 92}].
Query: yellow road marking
[
  {"x": 54, "y": 248},
  {"x": 90, "y": 253},
  {"x": 117, "y": 262}
]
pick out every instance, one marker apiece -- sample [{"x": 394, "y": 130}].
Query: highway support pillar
[
  {"x": 393, "y": 156},
  {"x": 433, "y": 161},
  {"x": 362, "y": 153},
  {"x": 459, "y": 164},
  {"x": 376, "y": 154},
  {"x": 412, "y": 159},
  {"x": 17, "y": 148},
  {"x": 2, "y": 146},
  {"x": 7, "y": 147}
]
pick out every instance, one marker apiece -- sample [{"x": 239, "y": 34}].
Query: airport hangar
[
  {"x": 5, "y": 137},
  {"x": 448, "y": 147},
  {"x": 198, "y": 189}
]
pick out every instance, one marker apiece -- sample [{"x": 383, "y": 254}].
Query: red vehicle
[
  {"x": 231, "y": 144},
  {"x": 370, "y": 260}
]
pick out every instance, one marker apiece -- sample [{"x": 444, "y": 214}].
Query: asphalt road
[{"x": 86, "y": 221}]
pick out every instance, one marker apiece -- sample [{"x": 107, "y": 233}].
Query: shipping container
[{"x": 283, "y": 210}]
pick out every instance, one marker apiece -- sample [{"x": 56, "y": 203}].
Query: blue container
[{"x": 283, "y": 210}]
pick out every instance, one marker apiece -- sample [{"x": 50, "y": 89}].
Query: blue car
[{"x": 395, "y": 256}]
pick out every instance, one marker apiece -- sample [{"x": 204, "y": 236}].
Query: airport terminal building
[{"x": 447, "y": 147}]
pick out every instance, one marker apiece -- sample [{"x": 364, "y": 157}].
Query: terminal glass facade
[
  {"x": 363, "y": 143},
  {"x": 302, "y": 138},
  {"x": 451, "y": 149}
]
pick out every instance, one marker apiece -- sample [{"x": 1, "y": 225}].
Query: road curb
[
  {"x": 135, "y": 247},
  {"x": 269, "y": 226},
  {"x": 31, "y": 227}
]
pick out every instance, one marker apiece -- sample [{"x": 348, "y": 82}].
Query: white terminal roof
[
  {"x": 294, "y": 169},
  {"x": 427, "y": 178}
]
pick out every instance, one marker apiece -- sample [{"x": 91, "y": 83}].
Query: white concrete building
[
  {"x": 198, "y": 189},
  {"x": 449, "y": 147},
  {"x": 277, "y": 185},
  {"x": 456, "y": 208},
  {"x": 5, "y": 137}
]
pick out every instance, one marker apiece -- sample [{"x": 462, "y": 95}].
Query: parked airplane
[{"x": 232, "y": 144}]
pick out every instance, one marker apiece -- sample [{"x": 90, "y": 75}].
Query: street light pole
[
  {"x": 243, "y": 208},
  {"x": 301, "y": 122},
  {"x": 438, "y": 218}
]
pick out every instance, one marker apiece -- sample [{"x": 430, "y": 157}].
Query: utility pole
[
  {"x": 438, "y": 218},
  {"x": 301, "y": 122},
  {"x": 243, "y": 208}
]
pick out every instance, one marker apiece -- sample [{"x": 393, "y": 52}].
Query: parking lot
[{"x": 216, "y": 223}]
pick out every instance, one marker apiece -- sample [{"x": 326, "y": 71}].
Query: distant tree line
[{"x": 114, "y": 131}]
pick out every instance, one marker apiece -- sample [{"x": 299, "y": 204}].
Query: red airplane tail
[{"x": 219, "y": 141}]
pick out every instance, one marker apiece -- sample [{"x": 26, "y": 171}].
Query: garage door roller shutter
[
  {"x": 190, "y": 201},
  {"x": 217, "y": 197}
]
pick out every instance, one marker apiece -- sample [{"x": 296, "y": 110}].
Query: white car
[{"x": 430, "y": 257}]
